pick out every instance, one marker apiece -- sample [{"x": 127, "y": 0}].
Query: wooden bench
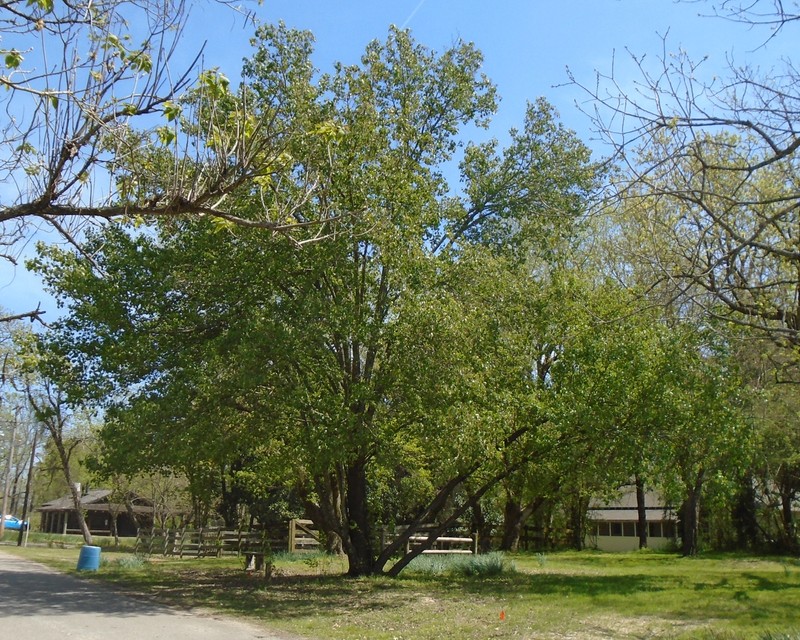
[{"x": 445, "y": 544}]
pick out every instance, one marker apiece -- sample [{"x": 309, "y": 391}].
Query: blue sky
[
  {"x": 527, "y": 47},
  {"x": 528, "y": 44}
]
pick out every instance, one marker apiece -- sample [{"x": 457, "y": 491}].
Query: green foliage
[
  {"x": 468, "y": 566},
  {"x": 128, "y": 562},
  {"x": 371, "y": 370},
  {"x": 13, "y": 59}
]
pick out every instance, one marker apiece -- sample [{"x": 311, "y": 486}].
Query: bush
[
  {"x": 483, "y": 566},
  {"x": 131, "y": 562}
]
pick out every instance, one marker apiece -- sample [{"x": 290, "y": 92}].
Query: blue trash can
[{"x": 89, "y": 559}]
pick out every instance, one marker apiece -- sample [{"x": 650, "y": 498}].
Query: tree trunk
[
  {"x": 229, "y": 502},
  {"x": 131, "y": 513},
  {"x": 76, "y": 501},
  {"x": 744, "y": 515},
  {"x": 73, "y": 489},
  {"x": 787, "y": 517},
  {"x": 357, "y": 540},
  {"x": 577, "y": 520},
  {"x": 483, "y": 529},
  {"x": 641, "y": 511},
  {"x": 690, "y": 518},
  {"x": 9, "y": 462},
  {"x": 514, "y": 518},
  {"x": 786, "y": 487},
  {"x": 512, "y": 524},
  {"x": 114, "y": 530},
  {"x": 28, "y": 486},
  {"x": 327, "y": 513}
]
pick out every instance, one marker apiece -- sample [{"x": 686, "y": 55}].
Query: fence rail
[
  {"x": 218, "y": 542},
  {"x": 299, "y": 537},
  {"x": 453, "y": 542}
]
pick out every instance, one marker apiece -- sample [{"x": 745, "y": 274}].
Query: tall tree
[
  {"x": 400, "y": 342},
  {"x": 17, "y": 424}
]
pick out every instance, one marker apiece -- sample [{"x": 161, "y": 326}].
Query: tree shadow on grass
[
  {"x": 330, "y": 596},
  {"x": 764, "y": 583},
  {"x": 409, "y": 600},
  {"x": 279, "y": 597}
]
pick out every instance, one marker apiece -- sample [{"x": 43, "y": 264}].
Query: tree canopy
[
  {"x": 103, "y": 123},
  {"x": 458, "y": 338},
  {"x": 396, "y": 346}
]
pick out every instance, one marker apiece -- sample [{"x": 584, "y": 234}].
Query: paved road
[{"x": 37, "y": 602}]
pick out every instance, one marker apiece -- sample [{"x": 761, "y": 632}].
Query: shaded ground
[{"x": 37, "y": 602}]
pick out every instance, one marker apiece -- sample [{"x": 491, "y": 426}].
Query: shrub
[
  {"x": 132, "y": 562},
  {"x": 484, "y": 566}
]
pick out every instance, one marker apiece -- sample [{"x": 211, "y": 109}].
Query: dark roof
[{"x": 95, "y": 500}]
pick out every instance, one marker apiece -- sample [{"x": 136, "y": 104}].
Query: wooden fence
[
  {"x": 216, "y": 542},
  {"x": 301, "y": 536}
]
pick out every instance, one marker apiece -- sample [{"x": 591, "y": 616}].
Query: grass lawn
[{"x": 561, "y": 595}]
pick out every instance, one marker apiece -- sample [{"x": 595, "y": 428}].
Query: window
[
  {"x": 616, "y": 528},
  {"x": 603, "y": 529},
  {"x": 629, "y": 529},
  {"x": 654, "y": 529}
]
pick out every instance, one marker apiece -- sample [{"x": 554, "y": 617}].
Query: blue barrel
[{"x": 89, "y": 559}]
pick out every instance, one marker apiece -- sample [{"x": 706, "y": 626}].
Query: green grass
[
  {"x": 57, "y": 540},
  {"x": 560, "y": 595}
]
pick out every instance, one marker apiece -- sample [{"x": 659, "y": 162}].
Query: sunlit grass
[{"x": 559, "y": 595}]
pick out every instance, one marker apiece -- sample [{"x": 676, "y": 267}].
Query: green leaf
[
  {"x": 166, "y": 135},
  {"x": 172, "y": 111},
  {"x": 330, "y": 130},
  {"x": 44, "y": 5},
  {"x": 13, "y": 59},
  {"x": 142, "y": 62},
  {"x": 215, "y": 83},
  {"x": 221, "y": 224}
]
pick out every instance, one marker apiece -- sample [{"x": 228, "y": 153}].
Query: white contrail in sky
[{"x": 413, "y": 13}]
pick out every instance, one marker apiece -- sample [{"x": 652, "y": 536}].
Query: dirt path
[{"x": 37, "y": 602}]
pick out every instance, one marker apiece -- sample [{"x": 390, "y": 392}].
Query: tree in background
[
  {"x": 715, "y": 162},
  {"x": 18, "y": 426},
  {"x": 33, "y": 395},
  {"x": 764, "y": 515},
  {"x": 659, "y": 402},
  {"x": 52, "y": 410}
]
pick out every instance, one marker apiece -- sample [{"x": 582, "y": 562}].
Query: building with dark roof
[{"x": 59, "y": 516}]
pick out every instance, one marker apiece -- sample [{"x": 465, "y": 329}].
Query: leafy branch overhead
[{"x": 102, "y": 125}]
